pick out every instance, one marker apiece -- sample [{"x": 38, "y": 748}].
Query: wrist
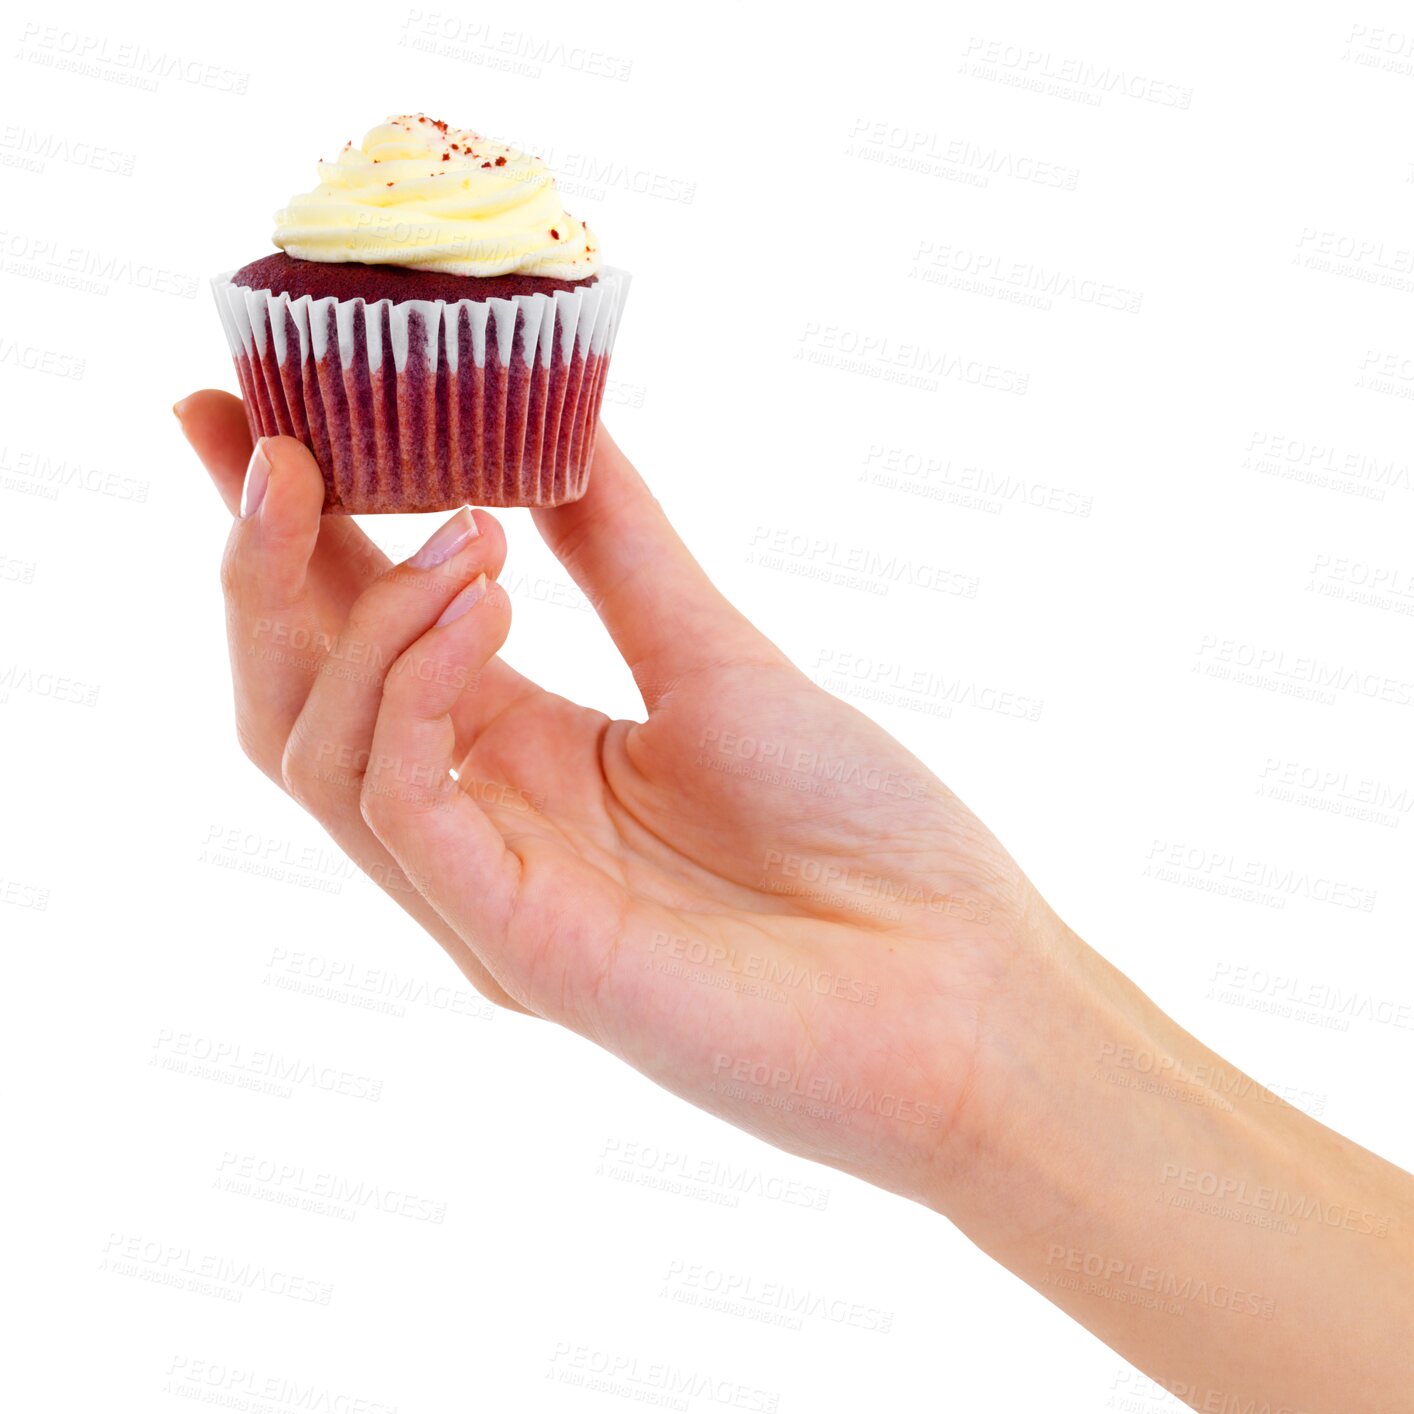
[
  {"x": 1167, "y": 1201},
  {"x": 1078, "y": 1074}
]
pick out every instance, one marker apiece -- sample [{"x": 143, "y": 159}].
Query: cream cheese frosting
[{"x": 426, "y": 196}]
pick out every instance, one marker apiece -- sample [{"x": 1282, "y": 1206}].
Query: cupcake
[{"x": 434, "y": 326}]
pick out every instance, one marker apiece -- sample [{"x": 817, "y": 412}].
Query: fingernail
[
  {"x": 257, "y": 478},
  {"x": 179, "y": 408},
  {"x": 446, "y": 540},
  {"x": 471, "y": 595}
]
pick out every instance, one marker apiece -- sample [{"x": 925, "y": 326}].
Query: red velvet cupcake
[{"x": 437, "y": 330}]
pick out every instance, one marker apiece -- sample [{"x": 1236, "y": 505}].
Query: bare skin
[{"x": 761, "y": 900}]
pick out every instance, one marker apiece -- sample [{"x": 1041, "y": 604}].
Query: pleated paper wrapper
[{"x": 425, "y": 405}]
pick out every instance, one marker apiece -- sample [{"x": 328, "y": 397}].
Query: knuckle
[
  {"x": 230, "y": 570},
  {"x": 375, "y": 805},
  {"x": 502, "y": 1000},
  {"x": 423, "y": 683},
  {"x": 297, "y": 769},
  {"x": 249, "y": 748},
  {"x": 365, "y": 614},
  {"x": 404, "y": 682},
  {"x": 254, "y": 749},
  {"x": 367, "y": 640},
  {"x": 399, "y": 790},
  {"x": 384, "y": 597}
]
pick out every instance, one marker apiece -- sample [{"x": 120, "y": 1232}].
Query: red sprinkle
[
  {"x": 554, "y": 233},
  {"x": 500, "y": 161}
]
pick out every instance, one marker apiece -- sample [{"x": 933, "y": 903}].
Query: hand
[
  {"x": 765, "y": 903},
  {"x": 755, "y": 896}
]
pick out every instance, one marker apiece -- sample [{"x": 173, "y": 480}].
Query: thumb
[{"x": 664, "y": 614}]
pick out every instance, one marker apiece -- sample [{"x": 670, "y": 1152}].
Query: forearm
[{"x": 1240, "y": 1253}]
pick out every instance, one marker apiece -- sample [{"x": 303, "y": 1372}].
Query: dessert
[{"x": 435, "y": 326}]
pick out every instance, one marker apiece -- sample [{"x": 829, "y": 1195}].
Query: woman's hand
[
  {"x": 755, "y": 896},
  {"x": 762, "y": 901}
]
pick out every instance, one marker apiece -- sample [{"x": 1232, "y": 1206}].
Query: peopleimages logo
[
  {"x": 122, "y": 61},
  {"x": 842, "y": 771},
  {"x": 675, "y": 1166},
  {"x": 1120, "y": 1273},
  {"x": 216, "y": 1059},
  {"x": 982, "y": 272},
  {"x": 252, "y": 1173},
  {"x": 1309, "y": 459},
  {"x": 1204, "y": 1183},
  {"x": 898, "y": 468},
  {"x": 896, "y": 144},
  {"x": 21, "y": 895},
  {"x": 771, "y": 972},
  {"x": 34, "y": 358},
  {"x": 24, "y": 147},
  {"x": 881, "y": 356},
  {"x": 895, "y": 683},
  {"x": 1286, "y": 992},
  {"x": 19, "y": 677},
  {"x": 1263, "y": 660},
  {"x": 54, "y": 261},
  {"x": 171, "y": 1264},
  {"x": 38, "y": 473},
  {"x": 1339, "y": 788},
  {"x": 652, "y": 1382},
  {"x": 1130, "y": 1387},
  {"x": 854, "y": 566},
  {"x": 239, "y": 1387},
  {"x": 787, "y": 1086},
  {"x": 1219, "y": 866},
  {"x": 514, "y": 51},
  {"x": 827, "y": 878},
  {"x": 741, "y": 1293},
  {"x": 1033, "y": 68}
]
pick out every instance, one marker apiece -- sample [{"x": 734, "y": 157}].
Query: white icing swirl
[{"x": 426, "y": 196}]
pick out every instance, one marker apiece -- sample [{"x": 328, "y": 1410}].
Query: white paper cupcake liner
[{"x": 422, "y": 405}]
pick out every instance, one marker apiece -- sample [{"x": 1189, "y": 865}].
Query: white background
[{"x": 1153, "y": 282}]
